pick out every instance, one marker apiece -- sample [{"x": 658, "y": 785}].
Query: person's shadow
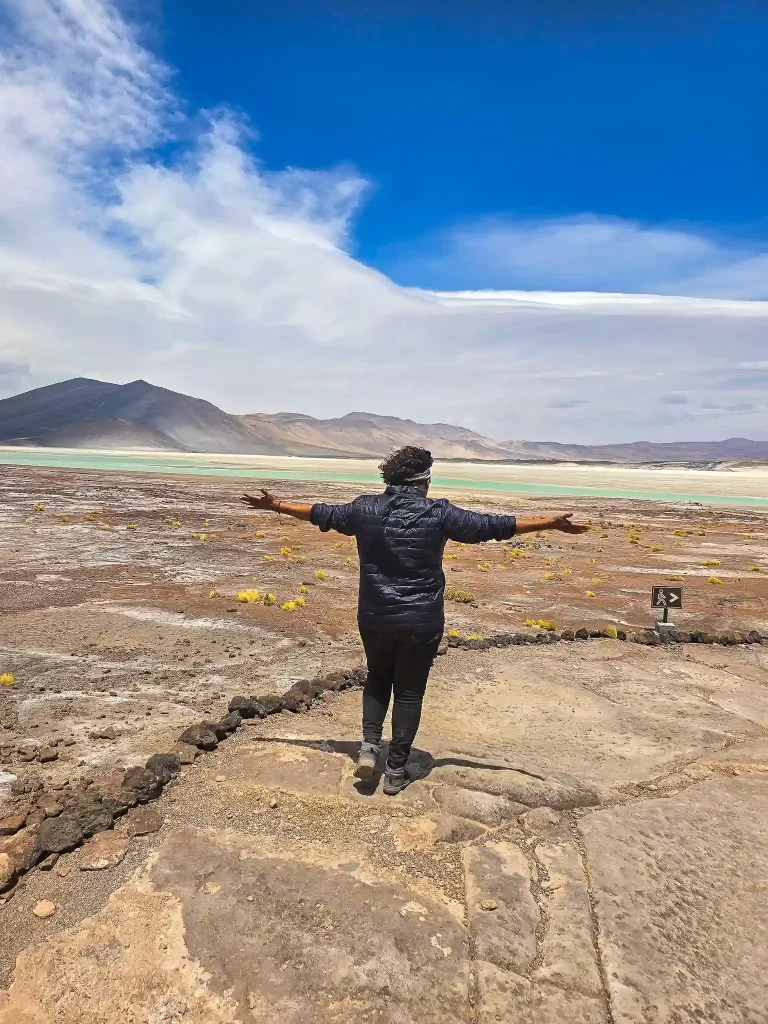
[{"x": 420, "y": 764}]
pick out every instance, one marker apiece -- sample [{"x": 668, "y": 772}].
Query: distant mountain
[
  {"x": 365, "y": 434},
  {"x": 84, "y": 413},
  {"x": 733, "y": 448},
  {"x": 187, "y": 424}
]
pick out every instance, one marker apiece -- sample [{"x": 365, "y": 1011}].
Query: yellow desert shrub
[
  {"x": 249, "y": 596},
  {"x": 267, "y": 558},
  {"x": 595, "y": 579},
  {"x": 712, "y": 561},
  {"x": 259, "y": 533},
  {"x": 131, "y": 526},
  {"x": 459, "y": 596},
  {"x": 269, "y": 599},
  {"x": 6, "y": 679},
  {"x": 289, "y": 606},
  {"x": 453, "y": 632},
  {"x": 285, "y": 550},
  {"x": 612, "y": 632},
  {"x": 754, "y": 568},
  {"x": 655, "y": 548},
  {"x": 590, "y": 593},
  {"x": 715, "y": 579},
  {"x": 319, "y": 574},
  {"x": 474, "y": 636},
  {"x": 299, "y": 602},
  {"x": 303, "y": 589}
]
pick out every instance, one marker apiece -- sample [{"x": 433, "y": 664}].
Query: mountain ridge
[{"x": 88, "y": 413}]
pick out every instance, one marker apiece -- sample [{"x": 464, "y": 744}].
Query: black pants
[{"x": 402, "y": 664}]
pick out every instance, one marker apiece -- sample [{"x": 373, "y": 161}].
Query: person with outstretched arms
[{"x": 401, "y": 535}]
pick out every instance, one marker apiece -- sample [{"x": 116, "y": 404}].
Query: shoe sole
[
  {"x": 365, "y": 772},
  {"x": 394, "y": 791}
]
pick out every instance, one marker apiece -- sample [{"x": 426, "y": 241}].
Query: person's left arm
[{"x": 325, "y": 517}]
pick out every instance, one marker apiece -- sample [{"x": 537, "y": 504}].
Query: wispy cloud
[
  {"x": 207, "y": 273},
  {"x": 586, "y": 252}
]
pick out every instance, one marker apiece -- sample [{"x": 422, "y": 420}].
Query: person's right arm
[{"x": 466, "y": 527}]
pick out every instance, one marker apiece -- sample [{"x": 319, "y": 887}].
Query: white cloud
[
  {"x": 214, "y": 276},
  {"x": 587, "y": 252}
]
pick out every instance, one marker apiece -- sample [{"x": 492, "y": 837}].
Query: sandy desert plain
[{"x": 586, "y": 840}]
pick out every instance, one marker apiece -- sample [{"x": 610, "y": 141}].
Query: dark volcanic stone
[
  {"x": 683, "y": 637},
  {"x": 754, "y": 637},
  {"x": 165, "y": 766},
  {"x": 200, "y": 735},
  {"x": 582, "y": 634},
  {"x": 567, "y": 634},
  {"x": 705, "y": 638},
  {"x": 142, "y": 782},
  {"x": 595, "y": 634},
  {"x": 231, "y": 721},
  {"x": 247, "y": 707},
  {"x": 306, "y": 687},
  {"x": 272, "y": 703},
  {"x": 621, "y": 634},
  {"x": 60, "y": 834},
  {"x": 293, "y": 701}
]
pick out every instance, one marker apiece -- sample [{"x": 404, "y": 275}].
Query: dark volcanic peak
[{"x": 96, "y": 414}]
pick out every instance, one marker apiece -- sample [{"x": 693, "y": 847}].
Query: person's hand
[
  {"x": 563, "y": 523},
  {"x": 266, "y": 502}
]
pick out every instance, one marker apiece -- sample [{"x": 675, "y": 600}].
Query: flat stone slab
[
  {"x": 681, "y": 891},
  {"x": 530, "y": 922},
  {"x": 214, "y": 930},
  {"x": 291, "y": 766}
]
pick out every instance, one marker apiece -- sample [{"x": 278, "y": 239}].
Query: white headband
[{"x": 419, "y": 477}]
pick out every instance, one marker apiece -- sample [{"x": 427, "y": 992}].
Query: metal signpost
[{"x": 666, "y": 598}]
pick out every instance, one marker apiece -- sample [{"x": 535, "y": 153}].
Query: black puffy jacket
[{"x": 401, "y": 535}]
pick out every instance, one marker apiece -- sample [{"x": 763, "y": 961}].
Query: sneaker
[
  {"x": 367, "y": 761},
  {"x": 395, "y": 780}
]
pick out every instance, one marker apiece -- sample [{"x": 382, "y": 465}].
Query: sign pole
[{"x": 666, "y": 614}]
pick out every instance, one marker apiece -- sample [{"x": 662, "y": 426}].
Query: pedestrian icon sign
[{"x": 667, "y": 597}]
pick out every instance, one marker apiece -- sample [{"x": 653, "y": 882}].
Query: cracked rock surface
[{"x": 595, "y": 869}]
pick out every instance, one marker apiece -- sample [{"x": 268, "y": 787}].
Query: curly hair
[{"x": 405, "y": 463}]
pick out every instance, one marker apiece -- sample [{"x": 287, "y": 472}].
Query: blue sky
[
  {"x": 455, "y": 112},
  {"x": 550, "y": 226}
]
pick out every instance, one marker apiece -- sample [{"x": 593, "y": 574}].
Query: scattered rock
[
  {"x": 50, "y": 805},
  {"x": 442, "y": 649},
  {"x": 7, "y": 872},
  {"x": 567, "y": 634},
  {"x": 247, "y": 707},
  {"x": 12, "y": 824},
  {"x": 49, "y": 862},
  {"x": 48, "y": 754},
  {"x": 22, "y": 849},
  {"x": 164, "y": 766},
  {"x": 104, "y": 734},
  {"x": 36, "y": 816},
  {"x": 231, "y": 721},
  {"x": 186, "y": 753},
  {"x": 200, "y": 735},
  {"x": 489, "y": 905},
  {"x": 210, "y": 888},
  {"x": 582, "y": 634},
  {"x": 143, "y": 821},
  {"x": 272, "y": 703},
  {"x": 43, "y": 909},
  {"x": 105, "y": 850},
  {"x": 142, "y": 782}
]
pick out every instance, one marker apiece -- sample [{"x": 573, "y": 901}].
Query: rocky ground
[{"x": 585, "y": 840}]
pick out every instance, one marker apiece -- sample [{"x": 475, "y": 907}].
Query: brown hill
[{"x": 87, "y": 413}]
